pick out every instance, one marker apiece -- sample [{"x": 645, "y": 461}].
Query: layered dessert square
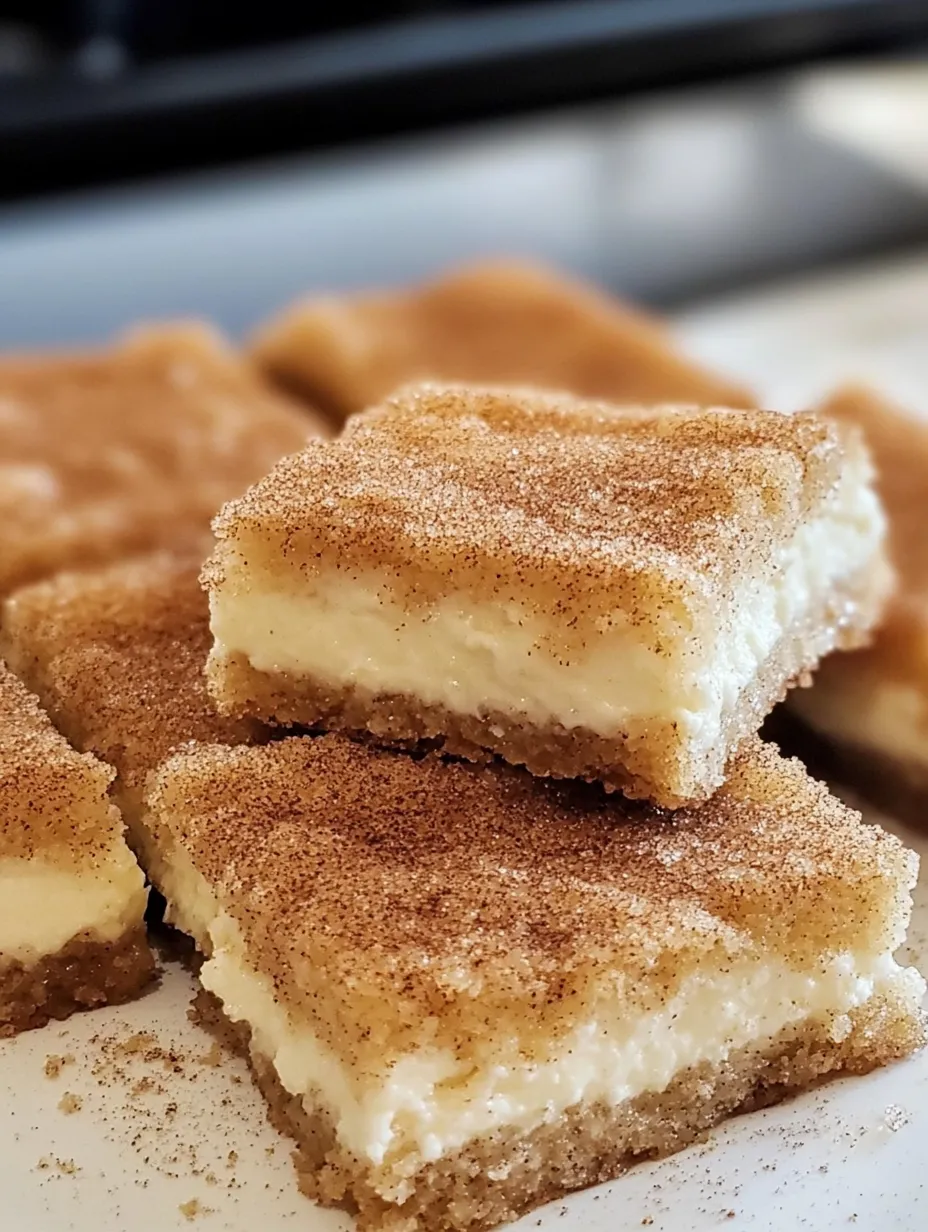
[
  {"x": 72, "y": 896},
  {"x": 618, "y": 594},
  {"x": 116, "y": 657},
  {"x": 129, "y": 448},
  {"x": 502, "y": 322},
  {"x": 871, "y": 707},
  {"x": 465, "y": 991}
]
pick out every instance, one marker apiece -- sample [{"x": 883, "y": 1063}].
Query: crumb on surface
[
  {"x": 190, "y": 1210},
  {"x": 895, "y": 1118},
  {"x": 54, "y": 1064},
  {"x": 70, "y": 1103},
  {"x": 213, "y": 1057}
]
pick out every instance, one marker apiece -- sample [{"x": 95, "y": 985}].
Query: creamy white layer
[
  {"x": 431, "y": 1102},
  {"x": 474, "y": 658},
  {"x": 43, "y": 905},
  {"x": 859, "y": 707}
]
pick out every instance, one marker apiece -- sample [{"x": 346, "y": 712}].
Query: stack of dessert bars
[{"x": 491, "y": 876}]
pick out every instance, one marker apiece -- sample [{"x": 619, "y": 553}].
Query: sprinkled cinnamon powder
[
  {"x": 510, "y": 322},
  {"x": 129, "y": 448},
  {"x": 371, "y": 887}
]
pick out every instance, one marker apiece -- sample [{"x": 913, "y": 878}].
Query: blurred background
[{"x": 160, "y": 157}]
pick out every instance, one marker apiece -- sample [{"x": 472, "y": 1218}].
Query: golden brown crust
[
  {"x": 571, "y": 509},
  {"x": 497, "y": 1178},
  {"x": 53, "y": 800},
  {"x": 505, "y": 322},
  {"x": 387, "y": 897},
  {"x": 898, "y": 443},
  {"x": 129, "y": 448},
  {"x": 84, "y": 974},
  {"x": 116, "y": 657},
  {"x": 643, "y": 761}
]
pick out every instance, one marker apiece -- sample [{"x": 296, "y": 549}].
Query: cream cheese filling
[
  {"x": 475, "y": 658},
  {"x": 43, "y": 906},
  {"x": 887, "y": 715},
  {"x": 431, "y": 1102}
]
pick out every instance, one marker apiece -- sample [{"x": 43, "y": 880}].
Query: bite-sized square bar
[
  {"x": 467, "y": 991},
  {"x": 502, "y": 322},
  {"x": 129, "y": 448},
  {"x": 618, "y": 594},
  {"x": 872, "y": 705},
  {"x": 116, "y": 657},
  {"x": 71, "y": 894}
]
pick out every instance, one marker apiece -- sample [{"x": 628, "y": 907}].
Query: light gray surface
[{"x": 658, "y": 198}]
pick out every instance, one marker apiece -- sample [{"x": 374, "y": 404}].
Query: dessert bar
[
  {"x": 619, "y": 594},
  {"x": 465, "y": 991}
]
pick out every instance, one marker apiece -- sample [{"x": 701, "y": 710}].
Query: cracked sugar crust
[
  {"x": 898, "y": 443},
  {"x": 53, "y": 800},
  {"x": 574, "y": 509},
  {"x": 129, "y": 448},
  {"x": 394, "y": 900},
  {"x": 116, "y": 657},
  {"x": 506, "y": 322}
]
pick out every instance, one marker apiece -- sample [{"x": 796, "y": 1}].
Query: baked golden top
[
  {"x": 129, "y": 448},
  {"x": 898, "y": 443},
  {"x": 116, "y": 657},
  {"x": 507, "y": 322},
  {"x": 53, "y": 800},
  {"x": 379, "y": 892},
  {"x": 572, "y": 508}
]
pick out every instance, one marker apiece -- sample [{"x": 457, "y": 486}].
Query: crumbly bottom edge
[
  {"x": 643, "y": 764},
  {"x": 499, "y": 1177},
  {"x": 895, "y": 785},
  {"x": 85, "y": 974}
]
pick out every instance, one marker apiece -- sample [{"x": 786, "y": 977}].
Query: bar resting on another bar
[
  {"x": 620, "y": 594},
  {"x": 466, "y": 991}
]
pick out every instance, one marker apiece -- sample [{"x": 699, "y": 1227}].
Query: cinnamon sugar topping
[
  {"x": 497, "y": 322},
  {"x": 116, "y": 657},
  {"x": 129, "y": 448},
  {"x": 406, "y": 888},
  {"x": 570, "y": 507}
]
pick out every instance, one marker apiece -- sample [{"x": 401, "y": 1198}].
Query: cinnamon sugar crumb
[
  {"x": 65, "y": 1167},
  {"x": 70, "y": 1103},
  {"x": 55, "y": 1064},
  {"x": 192, "y": 1209},
  {"x": 214, "y": 1056}
]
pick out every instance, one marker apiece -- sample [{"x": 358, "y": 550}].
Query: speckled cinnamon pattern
[
  {"x": 497, "y": 1178},
  {"x": 574, "y": 510},
  {"x": 504, "y": 322},
  {"x": 53, "y": 800},
  {"x": 129, "y": 448},
  {"x": 84, "y": 974},
  {"x": 643, "y": 761},
  {"x": 393, "y": 900},
  {"x": 116, "y": 657}
]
